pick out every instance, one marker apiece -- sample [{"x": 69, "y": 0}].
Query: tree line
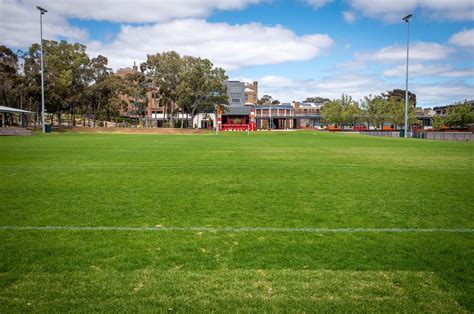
[
  {"x": 458, "y": 115},
  {"x": 373, "y": 111},
  {"x": 87, "y": 91},
  {"x": 389, "y": 108}
]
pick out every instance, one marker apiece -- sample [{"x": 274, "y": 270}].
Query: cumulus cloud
[
  {"x": 463, "y": 38},
  {"x": 20, "y": 25},
  {"x": 137, "y": 11},
  {"x": 444, "y": 93},
  {"x": 349, "y": 16},
  {"x": 19, "y": 19},
  {"x": 287, "y": 90},
  {"x": 228, "y": 46},
  {"x": 392, "y": 11},
  {"x": 358, "y": 86},
  {"x": 419, "y": 51},
  {"x": 422, "y": 70}
]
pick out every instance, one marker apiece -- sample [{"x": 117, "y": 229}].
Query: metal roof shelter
[
  {"x": 9, "y": 110},
  {"x": 14, "y": 110}
]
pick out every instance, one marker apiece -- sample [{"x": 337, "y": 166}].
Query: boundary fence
[
  {"x": 437, "y": 136},
  {"x": 445, "y": 136},
  {"x": 381, "y": 133}
]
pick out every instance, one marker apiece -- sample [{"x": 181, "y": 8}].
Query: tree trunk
[
  {"x": 193, "y": 114},
  {"x": 73, "y": 115},
  {"x": 165, "y": 115}
]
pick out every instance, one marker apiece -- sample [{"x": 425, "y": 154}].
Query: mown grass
[{"x": 302, "y": 179}]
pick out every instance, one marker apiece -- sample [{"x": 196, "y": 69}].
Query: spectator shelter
[{"x": 15, "y": 117}]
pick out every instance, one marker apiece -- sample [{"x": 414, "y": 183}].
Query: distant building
[
  {"x": 123, "y": 73},
  {"x": 441, "y": 110},
  {"x": 236, "y": 93},
  {"x": 242, "y": 97},
  {"x": 251, "y": 93},
  {"x": 153, "y": 110},
  {"x": 126, "y": 71},
  {"x": 307, "y": 107},
  {"x": 308, "y": 113},
  {"x": 276, "y": 117},
  {"x": 242, "y": 94}
]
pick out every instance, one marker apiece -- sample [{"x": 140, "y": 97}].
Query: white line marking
[{"x": 246, "y": 229}]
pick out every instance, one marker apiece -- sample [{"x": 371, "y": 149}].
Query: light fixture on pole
[
  {"x": 407, "y": 20},
  {"x": 42, "y": 12}
]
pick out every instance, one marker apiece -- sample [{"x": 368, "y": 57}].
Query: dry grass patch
[{"x": 245, "y": 290}]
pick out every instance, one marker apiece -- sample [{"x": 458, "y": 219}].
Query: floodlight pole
[
  {"x": 270, "y": 117},
  {"x": 42, "y": 12},
  {"x": 407, "y": 20}
]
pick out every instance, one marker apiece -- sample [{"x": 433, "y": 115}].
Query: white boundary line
[{"x": 245, "y": 229}]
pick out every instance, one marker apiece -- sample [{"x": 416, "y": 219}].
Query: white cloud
[
  {"x": 392, "y": 11},
  {"x": 421, "y": 70},
  {"x": 349, "y": 16},
  {"x": 468, "y": 72},
  {"x": 463, "y": 38},
  {"x": 228, "y": 46},
  {"x": 19, "y": 19},
  {"x": 318, "y": 3},
  {"x": 20, "y": 25},
  {"x": 287, "y": 90},
  {"x": 358, "y": 86},
  {"x": 137, "y": 11},
  {"x": 419, "y": 51},
  {"x": 444, "y": 93}
]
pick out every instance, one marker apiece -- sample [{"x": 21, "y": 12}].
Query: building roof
[
  {"x": 249, "y": 90},
  {"x": 310, "y": 105},
  {"x": 236, "y": 111},
  {"x": 13, "y": 110},
  {"x": 469, "y": 102},
  {"x": 285, "y": 106}
]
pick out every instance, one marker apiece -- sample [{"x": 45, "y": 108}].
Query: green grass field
[{"x": 236, "y": 223}]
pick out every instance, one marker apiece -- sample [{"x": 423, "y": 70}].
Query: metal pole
[
  {"x": 216, "y": 124},
  {"x": 42, "y": 73},
  {"x": 270, "y": 117},
  {"x": 406, "y": 83}
]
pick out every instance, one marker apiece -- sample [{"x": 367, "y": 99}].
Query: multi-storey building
[
  {"x": 242, "y": 96},
  {"x": 236, "y": 93},
  {"x": 251, "y": 93},
  {"x": 308, "y": 113},
  {"x": 153, "y": 108}
]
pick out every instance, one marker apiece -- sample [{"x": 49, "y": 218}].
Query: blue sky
[{"x": 295, "y": 49}]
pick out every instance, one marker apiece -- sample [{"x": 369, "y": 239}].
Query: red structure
[{"x": 238, "y": 119}]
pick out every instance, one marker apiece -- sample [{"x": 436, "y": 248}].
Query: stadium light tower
[
  {"x": 42, "y": 12},
  {"x": 407, "y": 20}
]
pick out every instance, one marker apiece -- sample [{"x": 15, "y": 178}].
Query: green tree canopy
[{"x": 459, "y": 115}]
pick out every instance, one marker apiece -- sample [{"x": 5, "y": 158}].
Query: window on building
[
  {"x": 255, "y": 97},
  {"x": 235, "y": 89},
  {"x": 235, "y": 99},
  {"x": 235, "y": 95}
]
